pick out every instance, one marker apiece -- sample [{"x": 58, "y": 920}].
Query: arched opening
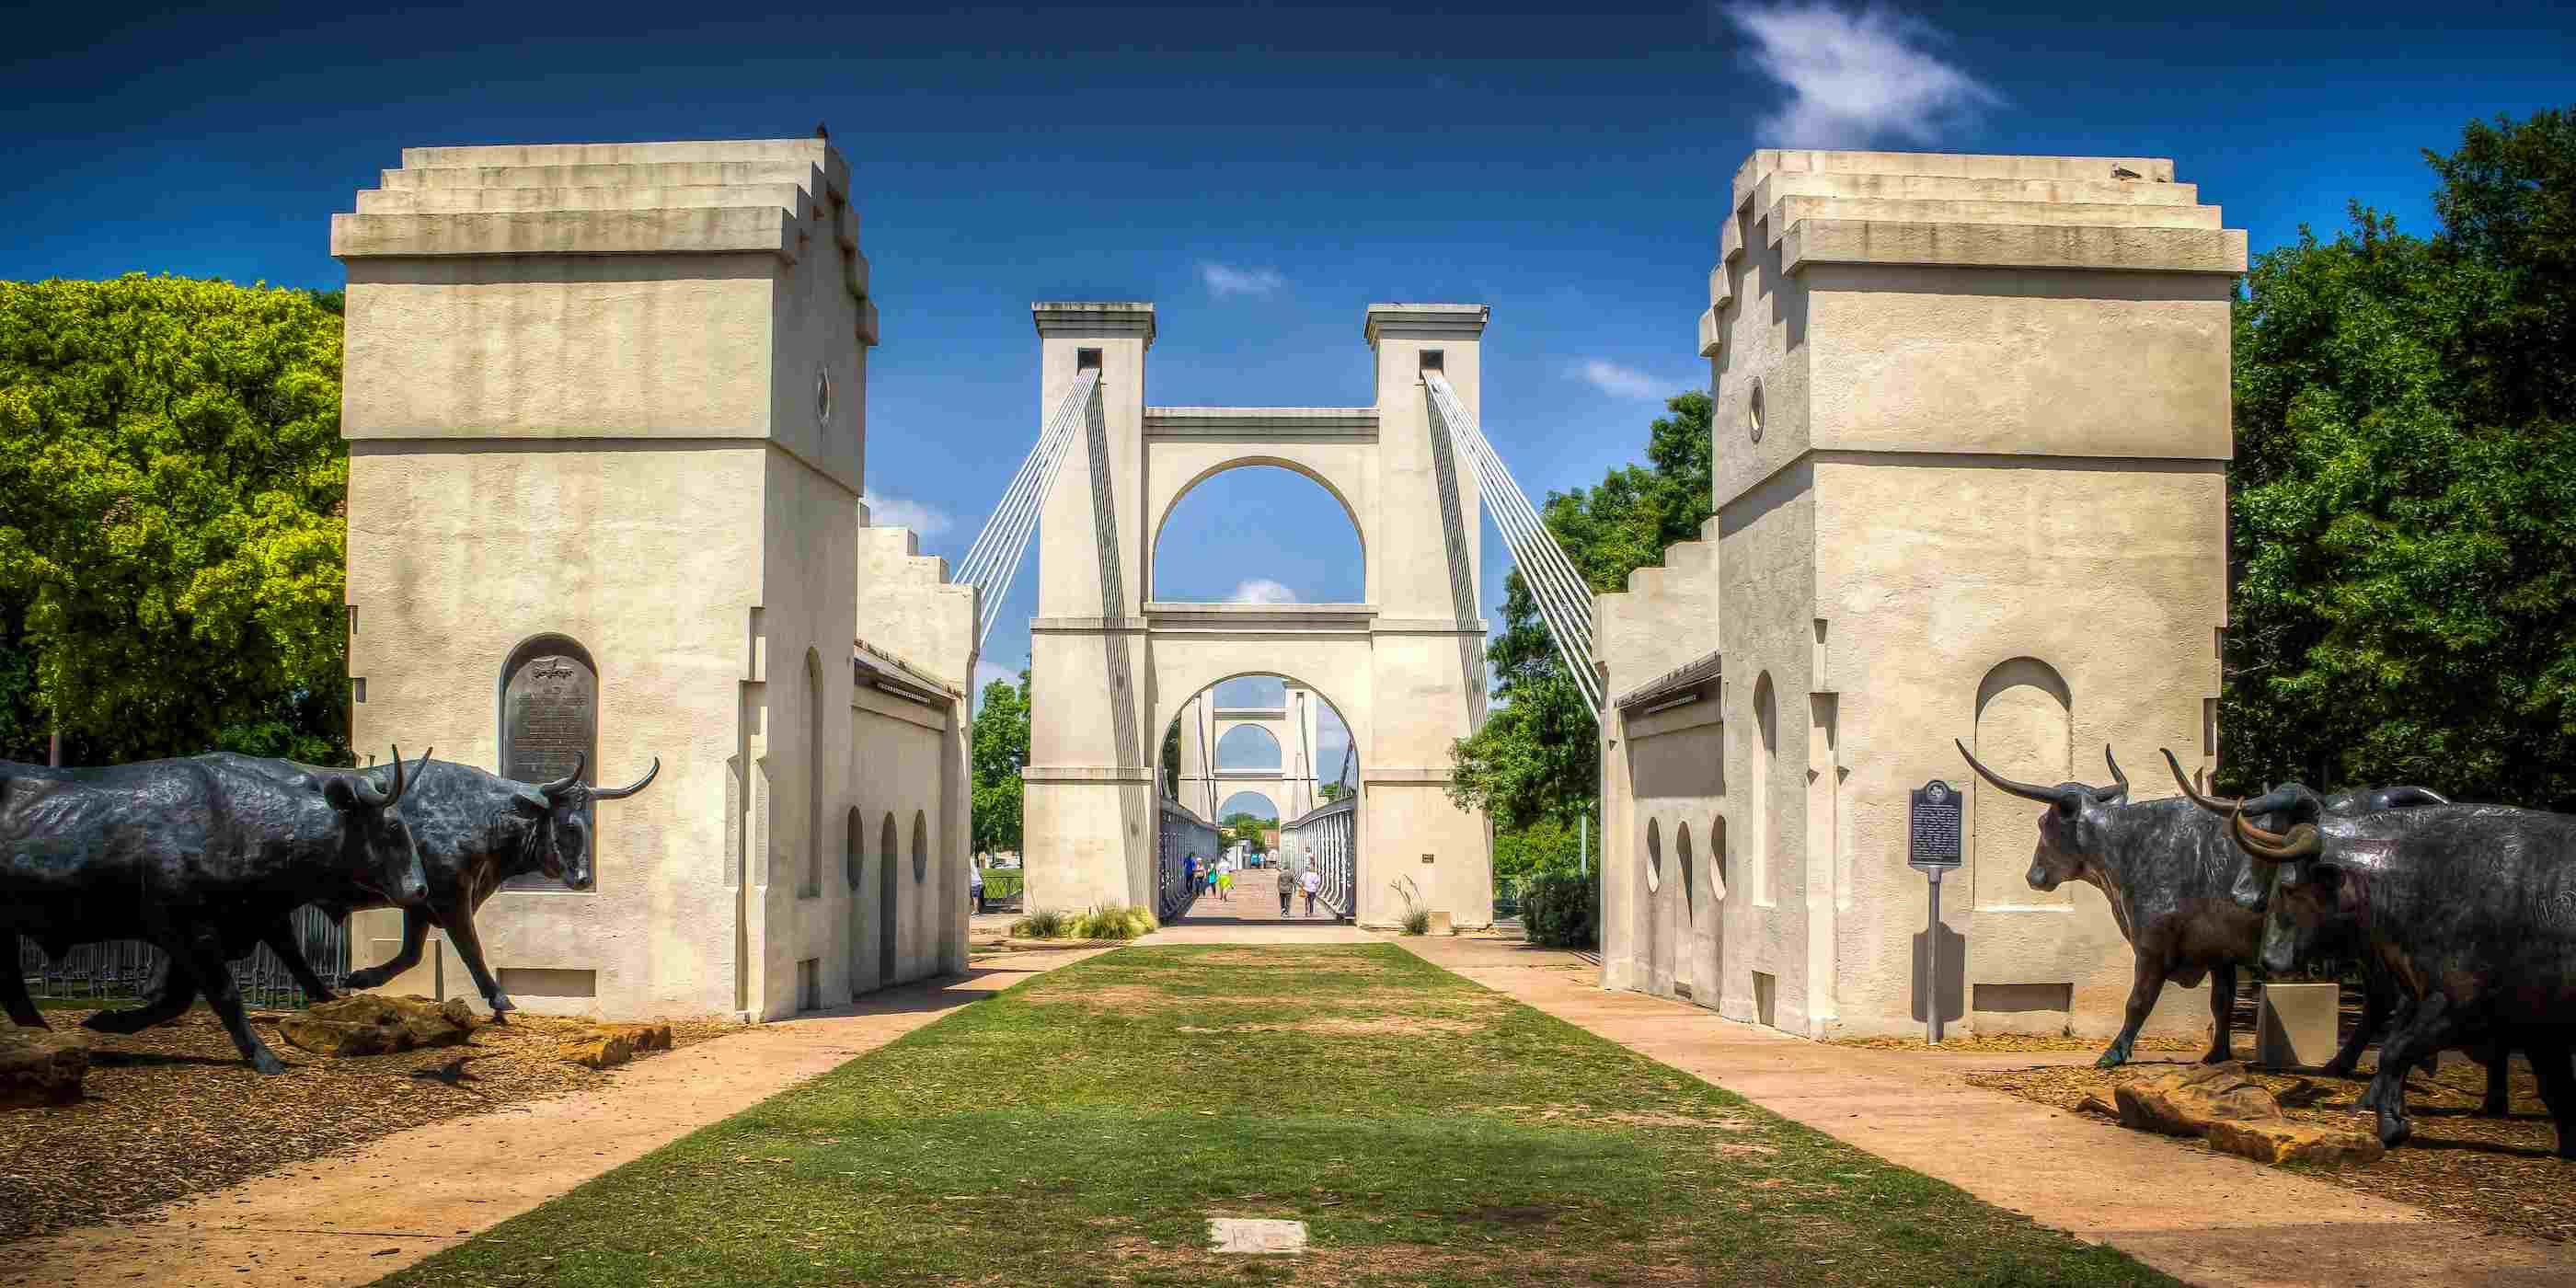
[
  {"x": 1249, "y": 806},
  {"x": 1252, "y": 805},
  {"x": 1766, "y": 753},
  {"x": 853, "y": 847},
  {"x": 2024, "y": 731},
  {"x": 1259, "y": 533},
  {"x": 920, "y": 847},
  {"x": 1654, "y": 855},
  {"x": 812, "y": 886},
  {"x": 886, "y": 900},
  {"x": 1248, "y": 747},
  {"x": 548, "y": 699},
  {"x": 1682, "y": 865}
]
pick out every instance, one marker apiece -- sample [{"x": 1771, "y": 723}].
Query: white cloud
[
  {"x": 1855, "y": 75},
  {"x": 1618, "y": 381},
  {"x": 1261, "y": 590},
  {"x": 924, "y": 519},
  {"x": 1225, "y": 279}
]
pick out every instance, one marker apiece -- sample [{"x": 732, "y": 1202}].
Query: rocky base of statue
[
  {"x": 41, "y": 1067},
  {"x": 368, "y": 1024},
  {"x": 615, "y": 1044},
  {"x": 2236, "y": 1115}
]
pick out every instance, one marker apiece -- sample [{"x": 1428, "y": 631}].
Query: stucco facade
[
  {"x": 1405, "y": 668},
  {"x": 1971, "y": 420},
  {"x": 612, "y": 397}
]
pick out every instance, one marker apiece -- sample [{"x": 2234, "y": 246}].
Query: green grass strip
[{"x": 1081, "y": 1128}]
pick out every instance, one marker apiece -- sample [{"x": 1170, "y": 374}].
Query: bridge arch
[
  {"x": 1114, "y": 665},
  {"x": 1339, "y": 476}
]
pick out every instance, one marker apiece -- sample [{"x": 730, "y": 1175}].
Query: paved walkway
[
  {"x": 2206, "y": 1218},
  {"x": 351, "y": 1219},
  {"x": 1251, "y": 916}
]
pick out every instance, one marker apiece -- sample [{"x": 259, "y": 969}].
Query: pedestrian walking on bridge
[
  {"x": 1287, "y": 888},
  {"x": 1310, "y": 883}
]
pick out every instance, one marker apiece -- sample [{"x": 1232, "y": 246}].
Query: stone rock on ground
[
  {"x": 615, "y": 1044},
  {"x": 368, "y": 1024},
  {"x": 2184, "y": 1102},
  {"x": 2295, "y": 1142},
  {"x": 41, "y": 1067}
]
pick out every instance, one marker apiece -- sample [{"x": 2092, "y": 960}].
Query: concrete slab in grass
[{"x": 1245, "y": 1234}]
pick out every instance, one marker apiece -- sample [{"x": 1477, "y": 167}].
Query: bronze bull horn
[
  {"x": 2218, "y": 805},
  {"x": 2119, "y": 790},
  {"x": 556, "y": 789},
  {"x": 2302, "y": 841},
  {"x": 365, "y": 787},
  {"x": 621, "y": 793},
  {"x": 2403, "y": 797},
  {"x": 2059, "y": 798}
]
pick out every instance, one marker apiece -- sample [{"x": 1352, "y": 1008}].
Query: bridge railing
[
  {"x": 1178, "y": 835},
  {"x": 1327, "y": 840}
]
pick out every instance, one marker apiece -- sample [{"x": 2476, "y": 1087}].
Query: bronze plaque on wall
[{"x": 549, "y": 720}]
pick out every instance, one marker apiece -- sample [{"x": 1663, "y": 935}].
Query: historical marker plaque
[
  {"x": 1932, "y": 826},
  {"x": 549, "y": 721}
]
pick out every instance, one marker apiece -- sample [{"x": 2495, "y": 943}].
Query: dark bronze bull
[
  {"x": 2471, "y": 909},
  {"x": 191, "y": 856}
]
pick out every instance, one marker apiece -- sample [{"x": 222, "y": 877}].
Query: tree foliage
[
  {"x": 172, "y": 485},
  {"x": 1001, "y": 751},
  {"x": 1535, "y": 765},
  {"x": 2403, "y": 560}
]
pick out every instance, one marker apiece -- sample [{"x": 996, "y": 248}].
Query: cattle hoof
[
  {"x": 2394, "y": 1131},
  {"x": 2220, "y": 1056},
  {"x": 2495, "y": 1109},
  {"x": 124, "y": 1020},
  {"x": 2112, "y": 1059},
  {"x": 267, "y": 1062},
  {"x": 371, "y": 977},
  {"x": 2335, "y": 1069}
]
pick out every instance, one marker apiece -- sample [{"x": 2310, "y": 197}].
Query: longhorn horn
[
  {"x": 403, "y": 783},
  {"x": 556, "y": 789},
  {"x": 621, "y": 793},
  {"x": 2119, "y": 789},
  {"x": 2218, "y": 805},
  {"x": 2051, "y": 796},
  {"x": 2403, "y": 797},
  {"x": 2300, "y": 842}
]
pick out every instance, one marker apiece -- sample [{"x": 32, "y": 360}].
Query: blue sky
[{"x": 1260, "y": 172}]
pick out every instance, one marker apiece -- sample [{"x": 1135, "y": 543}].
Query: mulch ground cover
[
  {"x": 2503, "y": 1174},
  {"x": 1082, "y": 1127},
  {"x": 173, "y": 1112}
]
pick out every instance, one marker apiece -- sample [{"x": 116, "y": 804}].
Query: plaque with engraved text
[
  {"x": 549, "y": 720},
  {"x": 1932, "y": 826}
]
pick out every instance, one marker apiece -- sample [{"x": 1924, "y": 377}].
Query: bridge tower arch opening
[
  {"x": 1311, "y": 792},
  {"x": 1113, "y": 665}
]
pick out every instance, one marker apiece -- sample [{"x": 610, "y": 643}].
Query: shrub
[
  {"x": 1417, "y": 921},
  {"x": 1116, "y": 921},
  {"x": 1562, "y": 910},
  {"x": 1045, "y": 923}
]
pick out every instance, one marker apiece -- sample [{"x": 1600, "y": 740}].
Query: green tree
[
  {"x": 2404, "y": 569},
  {"x": 1001, "y": 751},
  {"x": 1335, "y": 791},
  {"x": 172, "y": 485},
  {"x": 1535, "y": 765}
]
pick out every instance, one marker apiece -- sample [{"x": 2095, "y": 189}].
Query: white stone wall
[{"x": 1986, "y": 501}]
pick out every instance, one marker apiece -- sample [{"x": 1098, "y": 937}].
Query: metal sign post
[{"x": 1932, "y": 843}]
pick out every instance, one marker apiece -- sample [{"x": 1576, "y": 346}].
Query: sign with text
[{"x": 1932, "y": 826}]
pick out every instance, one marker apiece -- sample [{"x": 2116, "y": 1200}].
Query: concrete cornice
[
  {"x": 1426, "y": 626},
  {"x": 1251, "y": 713},
  {"x": 1427, "y": 321},
  {"x": 1086, "y": 319},
  {"x": 1269, "y": 423},
  {"x": 1961, "y": 245},
  {"x": 1226, "y": 618}
]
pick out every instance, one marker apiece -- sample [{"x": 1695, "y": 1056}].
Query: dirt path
[
  {"x": 353, "y": 1218},
  {"x": 2207, "y": 1218}
]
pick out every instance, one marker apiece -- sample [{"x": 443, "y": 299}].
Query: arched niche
[
  {"x": 920, "y": 846},
  {"x": 548, "y": 700},
  {"x": 2025, "y": 730},
  {"x": 1766, "y": 754},
  {"x": 1243, "y": 803}
]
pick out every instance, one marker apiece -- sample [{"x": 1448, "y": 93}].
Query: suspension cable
[{"x": 993, "y": 562}]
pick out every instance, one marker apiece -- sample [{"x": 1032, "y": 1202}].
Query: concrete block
[
  {"x": 1246, "y": 1234},
  {"x": 2295, "y": 1025}
]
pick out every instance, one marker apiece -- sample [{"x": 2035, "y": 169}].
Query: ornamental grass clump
[
  {"x": 1045, "y": 923},
  {"x": 1116, "y": 921},
  {"x": 1418, "y": 922}
]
